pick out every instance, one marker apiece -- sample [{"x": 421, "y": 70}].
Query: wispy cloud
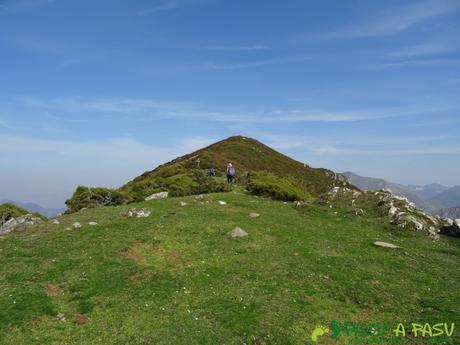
[
  {"x": 384, "y": 146},
  {"x": 163, "y": 6},
  {"x": 3, "y": 124},
  {"x": 420, "y": 50},
  {"x": 411, "y": 63},
  {"x": 259, "y": 63},
  {"x": 22, "y": 5},
  {"x": 146, "y": 109},
  {"x": 236, "y": 48},
  {"x": 396, "y": 20}
]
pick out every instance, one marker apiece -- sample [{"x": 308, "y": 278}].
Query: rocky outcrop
[
  {"x": 160, "y": 195},
  {"x": 20, "y": 223},
  {"x": 137, "y": 212},
  {"x": 405, "y": 214}
]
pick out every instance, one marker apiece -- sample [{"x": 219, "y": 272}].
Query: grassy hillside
[
  {"x": 187, "y": 175},
  {"x": 9, "y": 210},
  {"x": 176, "y": 278}
]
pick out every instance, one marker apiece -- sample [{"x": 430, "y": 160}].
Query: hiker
[{"x": 230, "y": 173}]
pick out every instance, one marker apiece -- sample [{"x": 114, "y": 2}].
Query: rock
[
  {"x": 138, "y": 213},
  {"x": 222, "y": 202},
  {"x": 55, "y": 221},
  {"x": 451, "y": 228},
  {"x": 254, "y": 215},
  {"x": 160, "y": 195},
  {"x": 182, "y": 203},
  {"x": 358, "y": 211},
  {"x": 236, "y": 233},
  {"x": 92, "y": 223},
  {"x": 60, "y": 317},
  {"x": 385, "y": 244},
  {"x": 20, "y": 223},
  {"x": 76, "y": 225},
  {"x": 392, "y": 211}
]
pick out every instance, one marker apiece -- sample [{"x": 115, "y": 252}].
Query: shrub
[
  {"x": 278, "y": 188},
  {"x": 86, "y": 197}
]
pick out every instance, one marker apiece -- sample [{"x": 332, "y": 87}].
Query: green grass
[{"x": 175, "y": 277}]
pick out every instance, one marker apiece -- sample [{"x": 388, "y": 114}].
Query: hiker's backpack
[{"x": 231, "y": 171}]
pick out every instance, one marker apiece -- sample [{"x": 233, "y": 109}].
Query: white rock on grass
[
  {"x": 222, "y": 202},
  {"x": 138, "y": 213},
  {"x": 160, "y": 195},
  {"x": 182, "y": 203},
  {"x": 76, "y": 225},
  {"x": 254, "y": 215},
  {"x": 92, "y": 223},
  {"x": 237, "y": 233},
  {"x": 55, "y": 221},
  {"x": 385, "y": 244}
]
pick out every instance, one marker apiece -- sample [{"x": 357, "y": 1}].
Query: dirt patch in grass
[
  {"x": 130, "y": 254},
  {"x": 80, "y": 319},
  {"x": 146, "y": 254},
  {"x": 141, "y": 275},
  {"x": 52, "y": 290}
]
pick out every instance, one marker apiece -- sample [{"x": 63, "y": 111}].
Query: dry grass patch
[{"x": 52, "y": 290}]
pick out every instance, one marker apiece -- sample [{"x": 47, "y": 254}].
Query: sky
[{"x": 97, "y": 92}]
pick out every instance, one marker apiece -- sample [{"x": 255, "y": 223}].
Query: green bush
[
  {"x": 86, "y": 197},
  {"x": 278, "y": 188}
]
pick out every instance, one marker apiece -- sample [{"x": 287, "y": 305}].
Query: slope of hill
[
  {"x": 428, "y": 191},
  {"x": 35, "y": 208},
  {"x": 176, "y": 278},
  {"x": 373, "y": 184},
  {"x": 448, "y": 198},
  {"x": 263, "y": 170},
  {"x": 452, "y": 212}
]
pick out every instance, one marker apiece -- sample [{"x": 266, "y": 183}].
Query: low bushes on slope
[
  {"x": 86, "y": 197},
  {"x": 278, "y": 188}
]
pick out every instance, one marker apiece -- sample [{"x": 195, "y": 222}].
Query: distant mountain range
[
  {"x": 434, "y": 198},
  {"x": 32, "y": 207}
]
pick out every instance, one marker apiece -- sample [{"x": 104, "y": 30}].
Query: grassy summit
[{"x": 176, "y": 278}]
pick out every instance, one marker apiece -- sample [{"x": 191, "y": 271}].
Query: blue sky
[{"x": 96, "y": 92}]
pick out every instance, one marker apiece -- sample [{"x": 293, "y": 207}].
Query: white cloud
[
  {"x": 145, "y": 110},
  {"x": 259, "y": 63},
  {"x": 236, "y": 48},
  {"x": 167, "y": 5},
  {"x": 396, "y": 20}
]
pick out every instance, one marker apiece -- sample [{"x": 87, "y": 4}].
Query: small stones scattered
[
  {"x": 183, "y": 203},
  {"x": 237, "y": 233},
  {"x": 60, "y": 317},
  {"x": 55, "y": 221},
  {"x": 137, "y": 212},
  {"x": 385, "y": 244},
  {"x": 222, "y": 203},
  {"x": 156, "y": 196},
  {"x": 76, "y": 225},
  {"x": 254, "y": 215}
]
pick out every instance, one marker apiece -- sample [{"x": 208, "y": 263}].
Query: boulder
[
  {"x": 20, "y": 223},
  {"x": 76, "y": 225},
  {"x": 237, "y": 233},
  {"x": 160, "y": 195},
  {"x": 222, "y": 202},
  {"x": 451, "y": 228},
  {"x": 92, "y": 223},
  {"x": 55, "y": 221},
  {"x": 385, "y": 244}
]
